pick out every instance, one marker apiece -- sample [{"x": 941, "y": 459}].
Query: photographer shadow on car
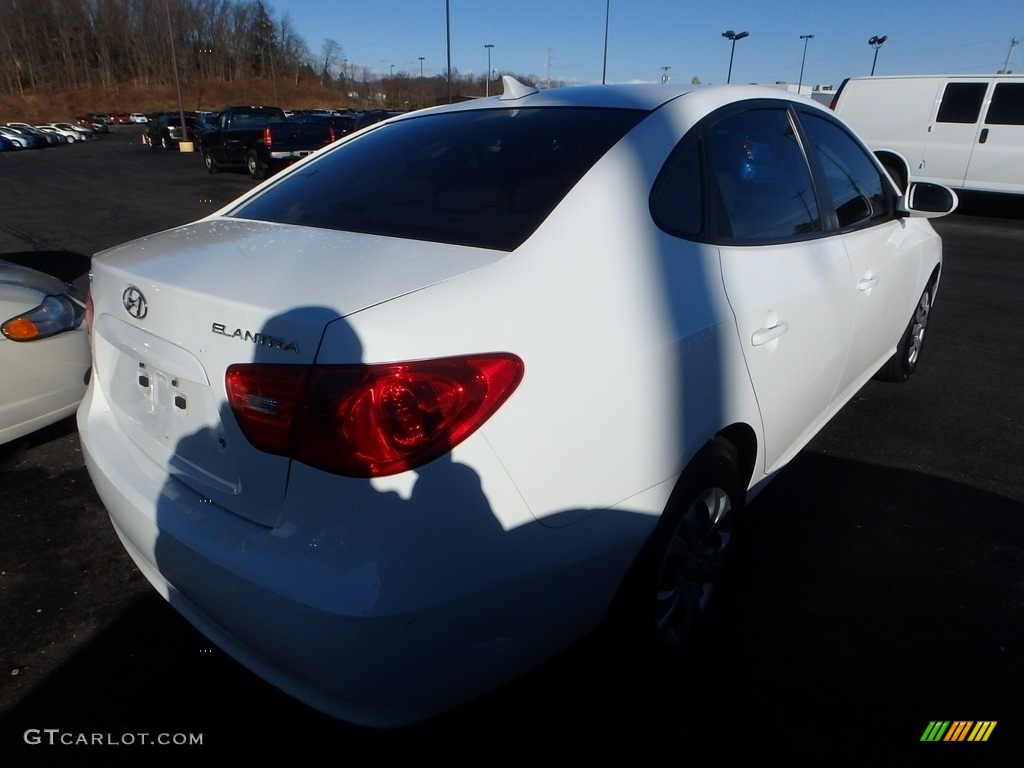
[{"x": 378, "y": 600}]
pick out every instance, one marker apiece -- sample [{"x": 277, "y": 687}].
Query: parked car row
[{"x": 25, "y": 136}]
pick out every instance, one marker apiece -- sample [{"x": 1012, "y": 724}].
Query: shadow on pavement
[{"x": 863, "y": 602}]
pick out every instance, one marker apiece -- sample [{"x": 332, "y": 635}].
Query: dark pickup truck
[{"x": 261, "y": 138}]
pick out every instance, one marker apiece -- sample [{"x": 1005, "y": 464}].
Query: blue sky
[{"x": 565, "y": 38}]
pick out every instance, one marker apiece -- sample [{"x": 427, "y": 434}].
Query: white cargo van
[{"x": 963, "y": 131}]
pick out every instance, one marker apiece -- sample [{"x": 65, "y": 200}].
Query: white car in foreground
[
  {"x": 44, "y": 350},
  {"x": 405, "y": 419}
]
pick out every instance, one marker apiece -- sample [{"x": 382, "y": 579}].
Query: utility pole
[{"x": 1009, "y": 53}]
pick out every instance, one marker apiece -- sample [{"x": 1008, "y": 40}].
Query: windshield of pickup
[{"x": 485, "y": 178}]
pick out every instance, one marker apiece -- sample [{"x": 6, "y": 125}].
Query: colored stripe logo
[{"x": 958, "y": 730}]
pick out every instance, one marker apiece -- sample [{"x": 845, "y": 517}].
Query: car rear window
[{"x": 484, "y": 178}]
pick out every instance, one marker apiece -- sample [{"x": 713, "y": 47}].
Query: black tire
[
  {"x": 670, "y": 588},
  {"x": 208, "y": 161},
  {"x": 257, "y": 169},
  {"x": 904, "y": 361}
]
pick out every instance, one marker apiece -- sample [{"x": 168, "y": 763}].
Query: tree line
[
  {"x": 51, "y": 46},
  {"x": 54, "y": 45}
]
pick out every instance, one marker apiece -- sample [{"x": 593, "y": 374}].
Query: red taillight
[
  {"x": 268, "y": 138},
  {"x": 266, "y": 401},
  {"x": 370, "y": 420},
  {"x": 332, "y": 134}
]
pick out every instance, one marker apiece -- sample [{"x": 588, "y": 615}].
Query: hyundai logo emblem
[{"x": 134, "y": 302}]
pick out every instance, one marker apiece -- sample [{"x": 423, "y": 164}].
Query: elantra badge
[
  {"x": 134, "y": 302},
  {"x": 259, "y": 339}
]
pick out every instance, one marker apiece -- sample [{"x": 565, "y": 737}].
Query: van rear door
[{"x": 997, "y": 163}]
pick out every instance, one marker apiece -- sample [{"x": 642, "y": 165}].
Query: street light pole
[
  {"x": 734, "y": 36},
  {"x": 487, "y": 84},
  {"x": 604, "y": 66},
  {"x": 421, "y": 66},
  {"x": 800, "y": 84},
  {"x": 448, "y": 25},
  {"x": 876, "y": 42}
]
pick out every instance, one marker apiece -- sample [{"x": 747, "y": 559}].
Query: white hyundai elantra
[{"x": 409, "y": 417}]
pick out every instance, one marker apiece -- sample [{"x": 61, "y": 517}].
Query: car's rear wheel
[
  {"x": 902, "y": 365},
  {"x": 671, "y": 587},
  {"x": 256, "y": 169}
]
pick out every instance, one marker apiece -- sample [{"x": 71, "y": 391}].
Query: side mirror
[{"x": 924, "y": 200}]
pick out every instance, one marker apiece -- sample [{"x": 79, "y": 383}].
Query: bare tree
[{"x": 330, "y": 51}]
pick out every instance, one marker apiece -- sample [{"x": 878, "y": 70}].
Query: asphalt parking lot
[{"x": 878, "y": 584}]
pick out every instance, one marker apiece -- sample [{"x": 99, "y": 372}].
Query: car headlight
[{"x": 54, "y": 315}]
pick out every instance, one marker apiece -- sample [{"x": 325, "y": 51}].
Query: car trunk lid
[{"x": 174, "y": 310}]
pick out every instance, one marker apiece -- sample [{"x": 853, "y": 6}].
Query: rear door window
[{"x": 761, "y": 182}]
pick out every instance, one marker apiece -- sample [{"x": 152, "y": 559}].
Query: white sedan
[
  {"x": 44, "y": 350},
  {"x": 63, "y": 129},
  {"x": 414, "y": 414}
]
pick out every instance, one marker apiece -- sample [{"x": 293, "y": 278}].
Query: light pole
[
  {"x": 876, "y": 42},
  {"x": 734, "y": 36},
  {"x": 800, "y": 84},
  {"x": 487, "y": 85},
  {"x": 604, "y": 67},
  {"x": 448, "y": 26},
  {"x": 421, "y": 66},
  {"x": 174, "y": 66}
]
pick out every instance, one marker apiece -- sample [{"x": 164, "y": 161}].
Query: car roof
[{"x": 645, "y": 97}]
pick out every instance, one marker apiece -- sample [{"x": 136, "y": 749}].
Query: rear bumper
[{"x": 362, "y": 608}]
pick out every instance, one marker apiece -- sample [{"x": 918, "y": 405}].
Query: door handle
[
  {"x": 984, "y": 136},
  {"x": 867, "y": 283},
  {"x": 764, "y": 335}
]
